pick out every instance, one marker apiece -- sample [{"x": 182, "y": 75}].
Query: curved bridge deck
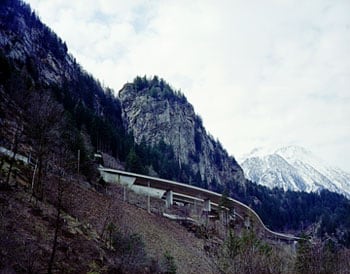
[{"x": 175, "y": 191}]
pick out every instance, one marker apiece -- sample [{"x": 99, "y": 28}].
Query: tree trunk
[
  {"x": 57, "y": 226},
  {"x": 13, "y": 158}
]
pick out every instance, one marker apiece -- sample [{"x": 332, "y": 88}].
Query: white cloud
[{"x": 258, "y": 72}]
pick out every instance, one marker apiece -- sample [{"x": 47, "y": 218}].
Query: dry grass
[{"x": 27, "y": 228}]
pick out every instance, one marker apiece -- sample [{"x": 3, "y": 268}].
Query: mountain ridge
[{"x": 296, "y": 168}]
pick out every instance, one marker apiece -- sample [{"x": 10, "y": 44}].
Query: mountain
[
  {"x": 176, "y": 146},
  {"x": 294, "y": 168},
  {"x": 153, "y": 112},
  {"x": 51, "y": 108},
  {"x": 149, "y": 128},
  {"x": 36, "y": 64}
]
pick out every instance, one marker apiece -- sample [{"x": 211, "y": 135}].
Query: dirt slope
[{"x": 27, "y": 230}]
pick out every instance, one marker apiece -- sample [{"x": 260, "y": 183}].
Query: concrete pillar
[
  {"x": 195, "y": 207},
  {"x": 233, "y": 214},
  {"x": 294, "y": 245},
  {"x": 169, "y": 198},
  {"x": 207, "y": 205},
  {"x": 247, "y": 222}
]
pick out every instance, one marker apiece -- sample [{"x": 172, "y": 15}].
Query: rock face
[
  {"x": 37, "y": 52},
  {"x": 25, "y": 39},
  {"x": 34, "y": 62},
  {"x": 153, "y": 112}
]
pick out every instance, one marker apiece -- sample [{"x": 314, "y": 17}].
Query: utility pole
[{"x": 148, "y": 199}]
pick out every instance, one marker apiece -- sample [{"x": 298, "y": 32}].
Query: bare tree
[
  {"x": 44, "y": 126},
  {"x": 60, "y": 190},
  {"x": 15, "y": 145},
  {"x": 11, "y": 135},
  {"x": 60, "y": 170},
  {"x": 113, "y": 221}
]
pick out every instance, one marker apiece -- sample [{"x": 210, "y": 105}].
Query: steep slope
[
  {"x": 294, "y": 168},
  {"x": 27, "y": 231},
  {"x": 36, "y": 63},
  {"x": 154, "y": 113},
  {"x": 273, "y": 171},
  {"x": 25, "y": 39}
]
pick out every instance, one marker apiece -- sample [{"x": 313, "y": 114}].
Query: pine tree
[
  {"x": 304, "y": 258},
  {"x": 133, "y": 162},
  {"x": 169, "y": 261}
]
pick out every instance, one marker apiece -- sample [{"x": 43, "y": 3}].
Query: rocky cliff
[
  {"x": 152, "y": 111},
  {"x": 39, "y": 55},
  {"x": 35, "y": 63},
  {"x": 34, "y": 59},
  {"x": 25, "y": 39}
]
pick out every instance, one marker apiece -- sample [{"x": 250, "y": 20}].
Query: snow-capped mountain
[{"x": 294, "y": 168}]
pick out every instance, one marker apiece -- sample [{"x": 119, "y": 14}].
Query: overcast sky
[{"x": 259, "y": 73}]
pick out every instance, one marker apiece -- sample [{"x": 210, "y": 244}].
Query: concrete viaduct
[{"x": 174, "y": 191}]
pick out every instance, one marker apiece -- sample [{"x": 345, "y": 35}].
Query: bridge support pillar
[
  {"x": 294, "y": 245},
  {"x": 247, "y": 222},
  {"x": 169, "y": 198},
  {"x": 207, "y": 205},
  {"x": 233, "y": 214}
]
